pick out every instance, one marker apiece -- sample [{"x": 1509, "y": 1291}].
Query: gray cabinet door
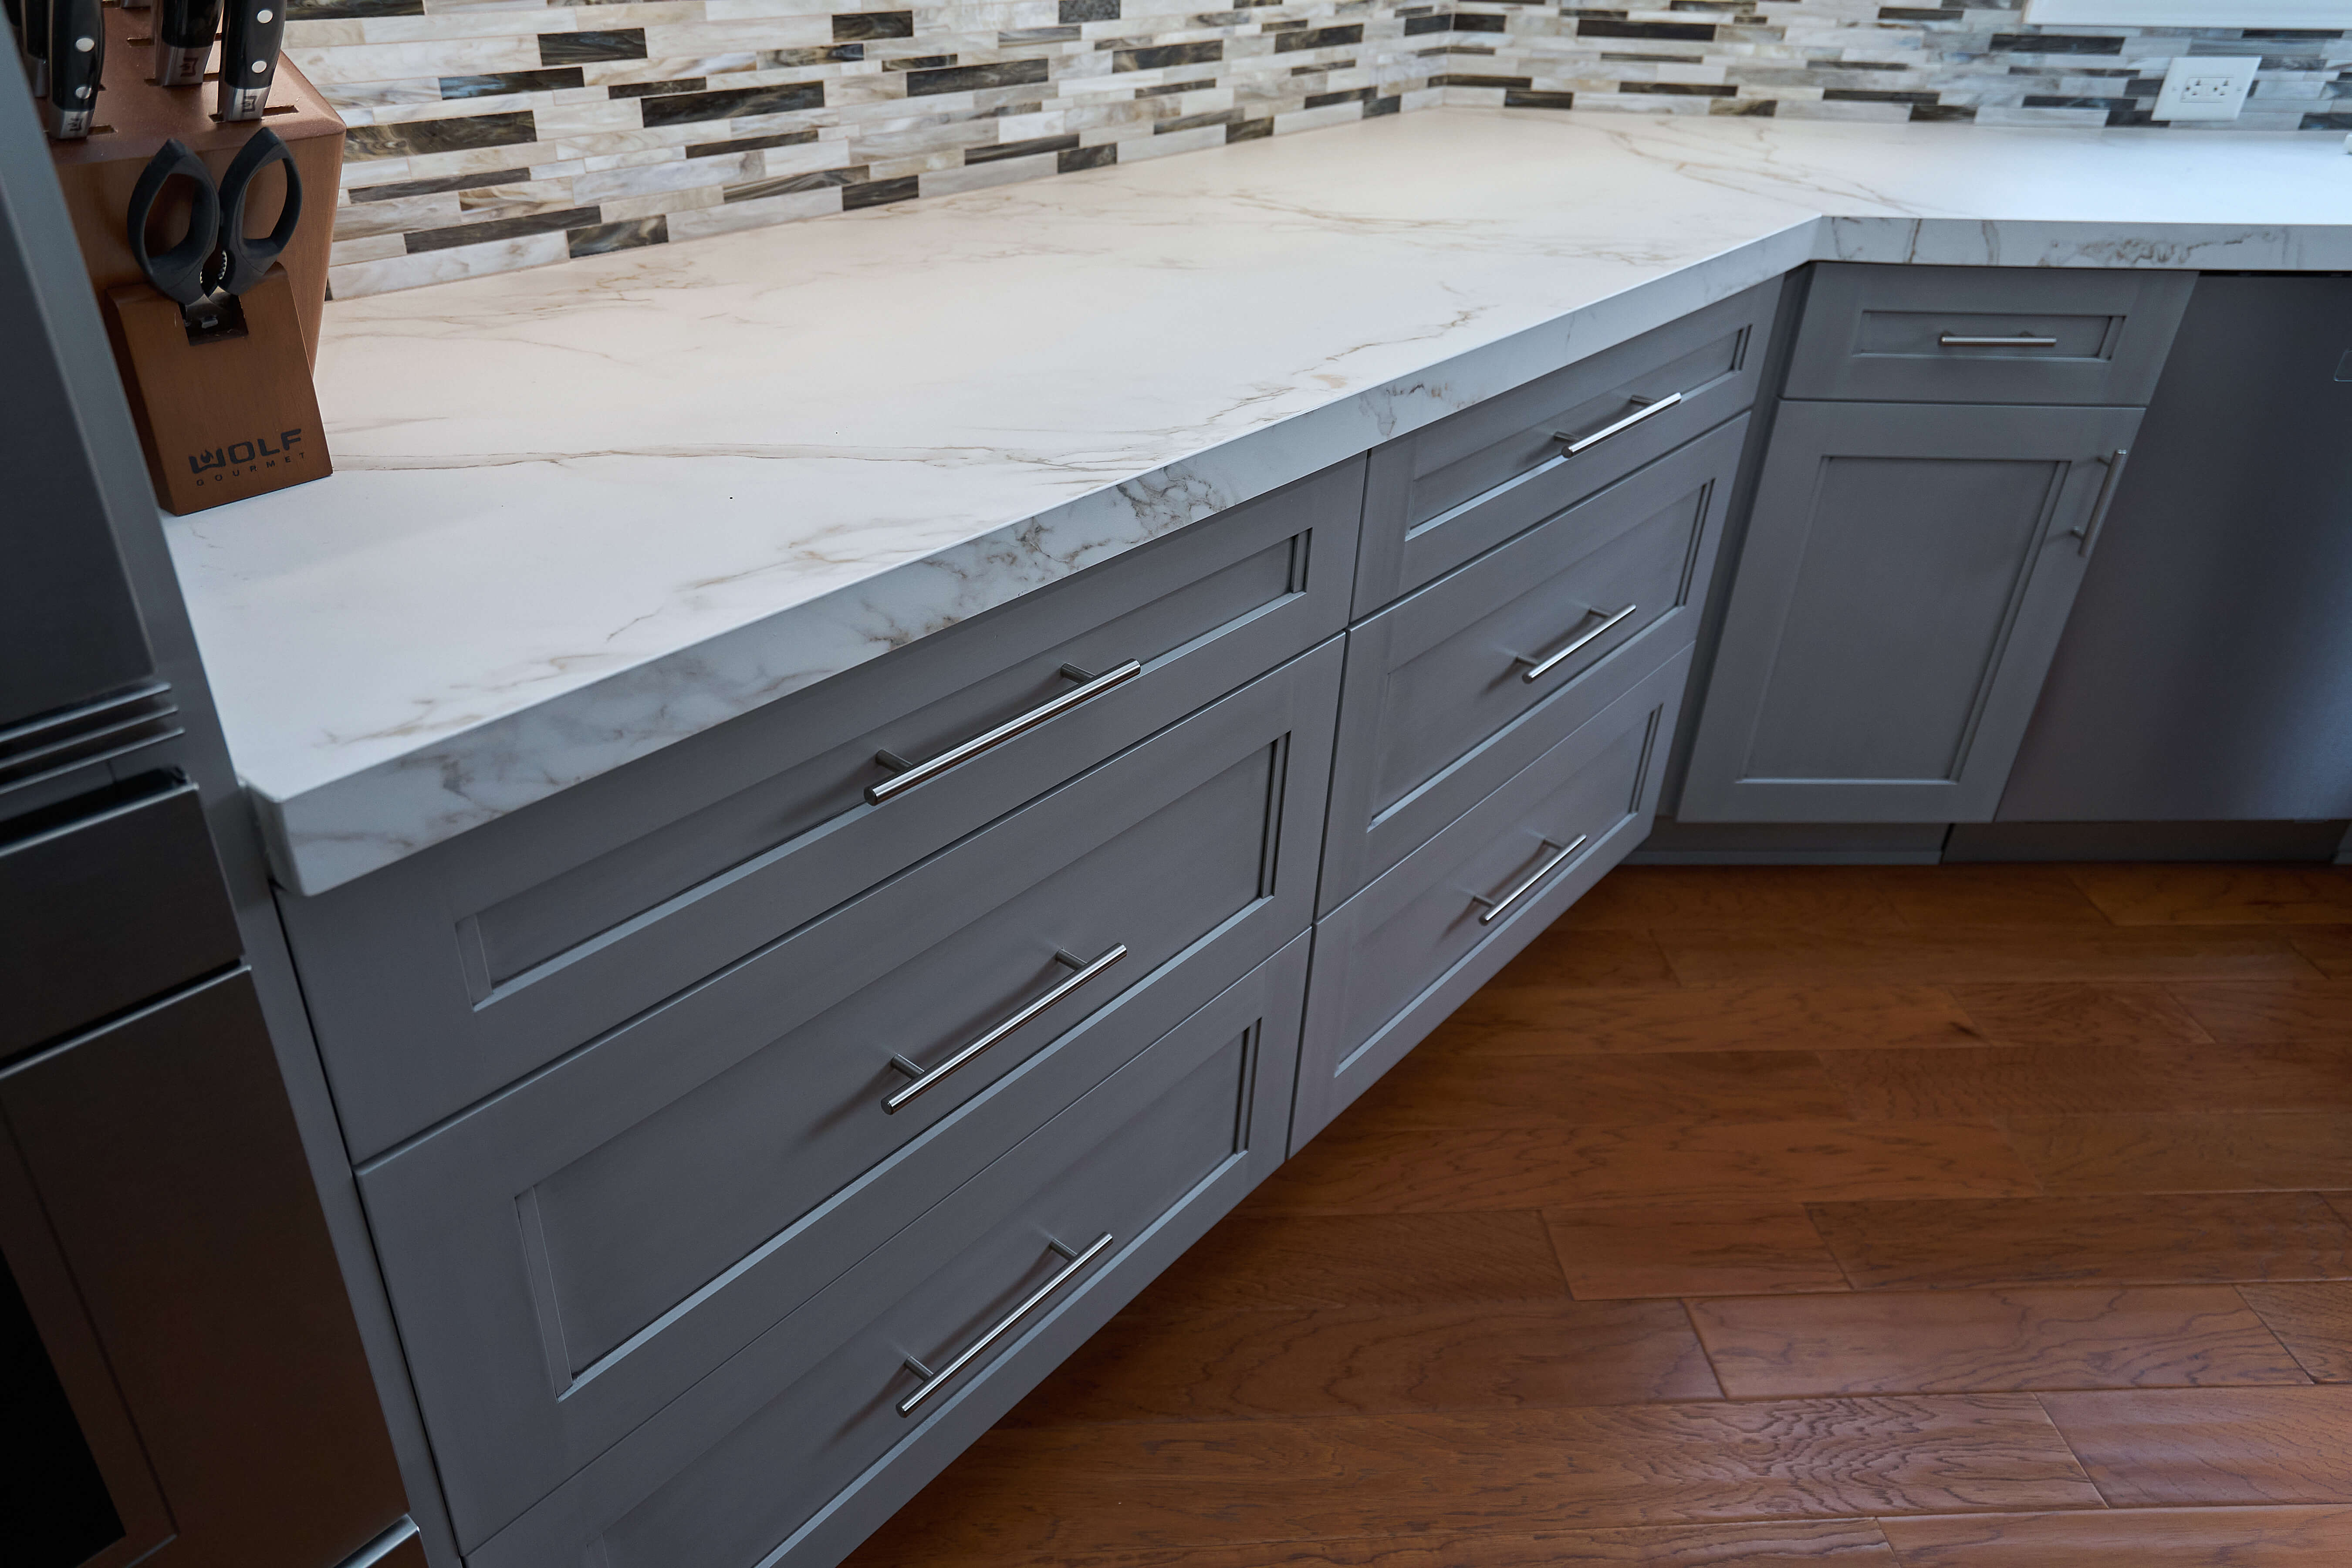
[{"x": 1906, "y": 572}]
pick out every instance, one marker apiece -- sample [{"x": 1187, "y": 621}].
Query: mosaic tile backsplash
[{"x": 491, "y": 136}]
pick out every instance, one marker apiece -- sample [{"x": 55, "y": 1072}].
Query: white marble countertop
[{"x": 584, "y": 512}]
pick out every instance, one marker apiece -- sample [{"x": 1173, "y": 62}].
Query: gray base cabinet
[{"x": 1906, "y": 572}]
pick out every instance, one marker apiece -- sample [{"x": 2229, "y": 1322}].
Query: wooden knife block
[
  {"x": 225, "y": 418},
  {"x": 135, "y": 118}
]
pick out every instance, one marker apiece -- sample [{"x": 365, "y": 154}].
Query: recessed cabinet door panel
[{"x": 1906, "y": 572}]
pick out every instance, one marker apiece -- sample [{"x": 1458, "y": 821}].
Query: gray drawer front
[
  {"x": 793, "y": 1452},
  {"x": 1393, "y": 961},
  {"x": 1439, "y": 496},
  {"x": 458, "y": 970},
  {"x": 692, "y": 1178},
  {"x": 1437, "y": 710},
  {"x": 106, "y": 911},
  {"x": 1879, "y": 333}
]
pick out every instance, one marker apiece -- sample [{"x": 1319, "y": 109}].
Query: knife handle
[
  {"x": 184, "y": 41},
  {"x": 35, "y": 45},
  {"x": 77, "y": 62},
  {"x": 250, "y": 35}
]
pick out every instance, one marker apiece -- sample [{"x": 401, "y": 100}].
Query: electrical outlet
[{"x": 2206, "y": 87}]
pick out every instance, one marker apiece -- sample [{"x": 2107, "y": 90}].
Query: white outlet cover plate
[{"x": 2235, "y": 74}]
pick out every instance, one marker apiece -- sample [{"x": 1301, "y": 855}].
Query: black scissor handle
[
  {"x": 250, "y": 258},
  {"x": 178, "y": 273}
]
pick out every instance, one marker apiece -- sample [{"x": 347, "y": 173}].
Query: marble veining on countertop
[{"x": 581, "y": 512}]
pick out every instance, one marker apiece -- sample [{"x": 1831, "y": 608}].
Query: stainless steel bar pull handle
[
  {"x": 1536, "y": 668},
  {"x": 1494, "y": 906},
  {"x": 908, "y": 774},
  {"x": 927, "y": 1078},
  {"x": 1648, "y": 408},
  {"x": 2089, "y": 532},
  {"x": 2014, "y": 340},
  {"x": 935, "y": 1380}
]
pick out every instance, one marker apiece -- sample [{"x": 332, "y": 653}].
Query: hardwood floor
[{"x": 1885, "y": 1217}]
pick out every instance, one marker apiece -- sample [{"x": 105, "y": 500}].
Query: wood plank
[
  {"x": 2126, "y": 1538},
  {"x": 2185, "y": 1152},
  {"x": 1702, "y": 1249},
  {"x": 1067, "y": 1491},
  {"x": 1510, "y": 1168},
  {"x": 1644, "y": 898},
  {"x": 2314, "y": 1320},
  {"x": 1737, "y": 955},
  {"x": 1253, "y": 1261},
  {"x": 1927, "y": 897},
  {"x": 1569, "y": 956},
  {"x": 1559, "y": 1021},
  {"x": 2073, "y": 1014},
  {"x": 2328, "y": 949},
  {"x": 2180, "y": 1447},
  {"x": 2317, "y": 1012},
  {"x": 2025, "y": 1080},
  {"x": 2192, "y": 894},
  {"x": 1230, "y": 1365},
  {"x": 1439, "y": 1089},
  {"x": 1950, "y": 1342},
  {"x": 2174, "y": 1240},
  {"x": 1840, "y": 1543}
]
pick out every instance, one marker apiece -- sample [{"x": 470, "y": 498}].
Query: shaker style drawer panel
[
  {"x": 1393, "y": 961},
  {"x": 1985, "y": 334},
  {"x": 440, "y": 978},
  {"x": 1438, "y": 497},
  {"x": 1906, "y": 577},
  {"x": 104, "y": 910},
  {"x": 1453, "y": 689},
  {"x": 569, "y": 1256},
  {"x": 796, "y": 1448}
]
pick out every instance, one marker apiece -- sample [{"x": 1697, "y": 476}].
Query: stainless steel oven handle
[
  {"x": 935, "y": 1380},
  {"x": 927, "y": 1078},
  {"x": 1494, "y": 906},
  {"x": 1539, "y": 668},
  {"x": 2016, "y": 341},
  {"x": 908, "y": 774},
  {"x": 1579, "y": 443}
]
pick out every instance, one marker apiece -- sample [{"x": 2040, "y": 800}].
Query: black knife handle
[
  {"x": 251, "y": 33},
  {"x": 77, "y": 62},
  {"x": 178, "y": 273},
  {"x": 36, "y": 49},
  {"x": 184, "y": 41},
  {"x": 248, "y": 258}
]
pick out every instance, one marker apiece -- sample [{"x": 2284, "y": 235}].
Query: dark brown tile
[
  {"x": 1228, "y": 1365},
  {"x": 1067, "y": 1491},
  {"x": 1733, "y": 955},
  {"x": 2220, "y": 895},
  {"x": 1644, "y": 897},
  {"x": 1707, "y": 1249},
  {"x": 2314, "y": 1012},
  {"x": 1928, "y": 897},
  {"x": 1602, "y": 1021},
  {"x": 2128, "y": 1538},
  {"x": 2073, "y": 1014},
  {"x": 2314, "y": 1320},
  {"x": 2025, "y": 1080},
  {"x": 1954, "y": 1342},
  {"x": 1255, "y": 1262},
  {"x": 1777, "y": 1543},
  {"x": 2159, "y": 1152},
  {"x": 1570, "y": 957},
  {"x": 2183, "y": 1448},
  {"x": 2173, "y": 1239},
  {"x": 2327, "y": 947},
  {"x": 1512, "y": 1168},
  {"x": 1454, "y": 1089}
]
